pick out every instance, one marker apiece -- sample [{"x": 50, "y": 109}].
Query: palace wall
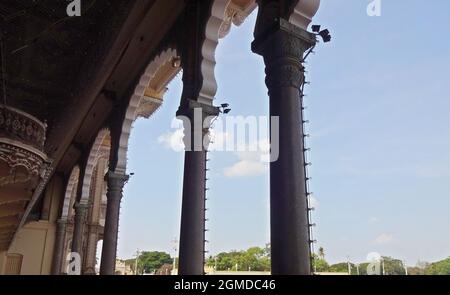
[{"x": 31, "y": 252}]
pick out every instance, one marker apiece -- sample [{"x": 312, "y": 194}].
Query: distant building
[{"x": 122, "y": 268}]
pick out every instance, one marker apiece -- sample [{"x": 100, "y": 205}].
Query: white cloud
[
  {"x": 245, "y": 168},
  {"x": 313, "y": 202},
  {"x": 384, "y": 238},
  {"x": 373, "y": 220},
  {"x": 250, "y": 160},
  {"x": 172, "y": 140}
]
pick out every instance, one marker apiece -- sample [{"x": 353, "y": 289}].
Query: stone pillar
[
  {"x": 78, "y": 230},
  {"x": 115, "y": 183},
  {"x": 91, "y": 250},
  {"x": 58, "y": 251},
  {"x": 192, "y": 235},
  {"x": 94, "y": 217},
  {"x": 283, "y": 46}
]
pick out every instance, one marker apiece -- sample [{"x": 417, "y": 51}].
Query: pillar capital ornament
[
  {"x": 189, "y": 106},
  {"x": 116, "y": 182},
  {"x": 282, "y": 46},
  {"x": 81, "y": 210},
  {"x": 81, "y": 207}
]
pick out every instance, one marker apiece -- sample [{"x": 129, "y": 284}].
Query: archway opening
[
  {"x": 151, "y": 204},
  {"x": 238, "y": 186}
]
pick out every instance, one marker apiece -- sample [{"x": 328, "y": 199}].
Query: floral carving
[{"x": 17, "y": 125}]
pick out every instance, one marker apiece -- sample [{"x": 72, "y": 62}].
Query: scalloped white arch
[
  {"x": 131, "y": 113},
  {"x": 223, "y": 14},
  {"x": 304, "y": 12},
  {"x": 71, "y": 185},
  {"x": 94, "y": 154}
]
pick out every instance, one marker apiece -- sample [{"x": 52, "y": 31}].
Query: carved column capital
[
  {"x": 282, "y": 46},
  {"x": 116, "y": 182},
  {"x": 188, "y": 107},
  {"x": 81, "y": 208}
]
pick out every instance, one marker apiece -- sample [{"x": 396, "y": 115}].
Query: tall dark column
[
  {"x": 58, "y": 251},
  {"x": 283, "y": 46},
  {"x": 78, "y": 230},
  {"x": 115, "y": 183},
  {"x": 192, "y": 235}
]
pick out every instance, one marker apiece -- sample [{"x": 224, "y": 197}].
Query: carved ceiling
[
  {"x": 45, "y": 52},
  {"x": 47, "y": 58}
]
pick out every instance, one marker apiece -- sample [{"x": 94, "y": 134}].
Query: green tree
[
  {"x": 393, "y": 266},
  {"x": 343, "y": 267},
  {"x": 254, "y": 259},
  {"x": 439, "y": 268},
  {"x": 319, "y": 264},
  {"x": 149, "y": 262},
  {"x": 363, "y": 268}
]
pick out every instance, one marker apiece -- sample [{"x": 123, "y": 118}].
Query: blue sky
[{"x": 379, "y": 106}]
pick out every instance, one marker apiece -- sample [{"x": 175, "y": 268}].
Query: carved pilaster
[
  {"x": 94, "y": 231},
  {"x": 78, "y": 231}
]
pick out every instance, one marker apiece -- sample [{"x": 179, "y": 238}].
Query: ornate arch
[
  {"x": 137, "y": 102},
  {"x": 95, "y": 153},
  {"x": 71, "y": 185},
  {"x": 224, "y": 13}
]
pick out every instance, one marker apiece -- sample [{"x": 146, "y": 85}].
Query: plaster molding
[
  {"x": 71, "y": 185},
  {"x": 91, "y": 162},
  {"x": 304, "y": 12},
  {"x": 212, "y": 35},
  {"x": 223, "y": 14},
  {"x": 235, "y": 15}
]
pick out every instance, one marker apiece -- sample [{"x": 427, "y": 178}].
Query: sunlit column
[
  {"x": 192, "y": 235},
  {"x": 283, "y": 46}
]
